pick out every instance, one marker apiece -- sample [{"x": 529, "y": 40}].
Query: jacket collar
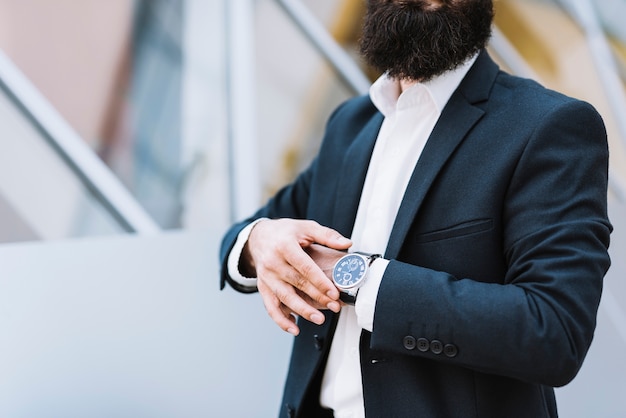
[
  {"x": 458, "y": 117},
  {"x": 352, "y": 175},
  {"x": 385, "y": 92}
]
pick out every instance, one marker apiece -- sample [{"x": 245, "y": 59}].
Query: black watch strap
[
  {"x": 348, "y": 298},
  {"x": 372, "y": 257}
]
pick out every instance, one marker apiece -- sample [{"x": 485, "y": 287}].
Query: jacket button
[
  {"x": 409, "y": 342},
  {"x": 318, "y": 342},
  {"x": 450, "y": 350},
  {"x": 423, "y": 345},
  {"x": 436, "y": 347}
]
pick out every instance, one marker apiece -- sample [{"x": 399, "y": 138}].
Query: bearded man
[{"x": 475, "y": 206}]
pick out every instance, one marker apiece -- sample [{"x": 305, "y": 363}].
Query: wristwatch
[{"x": 350, "y": 272}]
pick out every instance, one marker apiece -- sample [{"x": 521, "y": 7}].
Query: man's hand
[
  {"x": 325, "y": 258},
  {"x": 289, "y": 280}
]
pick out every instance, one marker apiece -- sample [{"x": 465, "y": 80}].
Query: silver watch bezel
[{"x": 351, "y": 290}]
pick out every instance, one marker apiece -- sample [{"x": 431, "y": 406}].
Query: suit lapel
[
  {"x": 453, "y": 125},
  {"x": 457, "y": 118},
  {"x": 352, "y": 176}
]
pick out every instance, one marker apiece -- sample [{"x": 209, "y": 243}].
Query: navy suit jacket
[{"x": 498, "y": 253}]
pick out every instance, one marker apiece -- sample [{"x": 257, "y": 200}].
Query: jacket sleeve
[
  {"x": 536, "y": 323},
  {"x": 290, "y": 202}
]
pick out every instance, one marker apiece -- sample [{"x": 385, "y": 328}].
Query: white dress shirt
[{"x": 410, "y": 117}]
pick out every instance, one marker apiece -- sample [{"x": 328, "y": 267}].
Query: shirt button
[
  {"x": 436, "y": 347},
  {"x": 409, "y": 342}
]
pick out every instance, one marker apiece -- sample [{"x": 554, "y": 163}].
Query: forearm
[
  {"x": 240, "y": 266},
  {"x": 283, "y": 205},
  {"x": 535, "y": 325}
]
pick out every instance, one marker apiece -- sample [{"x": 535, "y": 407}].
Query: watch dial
[{"x": 349, "y": 271}]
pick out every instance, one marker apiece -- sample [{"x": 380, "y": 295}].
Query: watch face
[{"x": 349, "y": 271}]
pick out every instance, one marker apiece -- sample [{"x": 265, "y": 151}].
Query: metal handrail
[
  {"x": 243, "y": 151},
  {"x": 96, "y": 176},
  {"x": 349, "y": 72},
  {"x": 509, "y": 55},
  {"x": 518, "y": 66},
  {"x": 584, "y": 12},
  {"x": 353, "y": 77}
]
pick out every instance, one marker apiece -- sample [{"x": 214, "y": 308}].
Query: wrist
[
  {"x": 245, "y": 263},
  {"x": 246, "y": 266}
]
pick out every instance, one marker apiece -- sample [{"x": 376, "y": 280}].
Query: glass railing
[
  {"x": 208, "y": 103},
  {"x": 52, "y": 185},
  {"x": 41, "y": 196}
]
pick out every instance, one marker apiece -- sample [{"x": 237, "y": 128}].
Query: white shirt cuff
[
  {"x": 366, "y": 299},
  {"x": 235, "y": 256}
]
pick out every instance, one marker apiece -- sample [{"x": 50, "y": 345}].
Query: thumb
[{"x": 329, "y": 237}]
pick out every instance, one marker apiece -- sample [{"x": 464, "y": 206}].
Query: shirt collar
[{"x": 385, "y": 91}]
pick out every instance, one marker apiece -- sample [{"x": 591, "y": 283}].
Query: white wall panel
[{"x": 132, "y": 327}]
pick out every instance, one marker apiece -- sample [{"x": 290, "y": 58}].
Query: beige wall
[{"x": 72, "y": 50}]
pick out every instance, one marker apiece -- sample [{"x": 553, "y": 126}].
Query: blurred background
[{"x": 133, "y": 132}]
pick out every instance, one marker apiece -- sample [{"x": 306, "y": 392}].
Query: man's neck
[{"x": 406, "y": 84}]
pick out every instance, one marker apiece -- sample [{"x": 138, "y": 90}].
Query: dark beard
[{"x": 414, "y": 40}]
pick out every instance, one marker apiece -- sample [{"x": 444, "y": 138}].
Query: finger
[
  {"x": 278, "y": 312},
  {"x": 316, "y": 233},
  {"x": 290, "y": 298},
  {"x": 292, "y": 264},
  {"x": 334, "y": 306},
  {"x": 284, "y": 294},
  {"x": 290, "y": 316},
  {"x": 310, "y": 279},
  {"x": 284, "y": 280},
  {"x": 288, "y": 312}
]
